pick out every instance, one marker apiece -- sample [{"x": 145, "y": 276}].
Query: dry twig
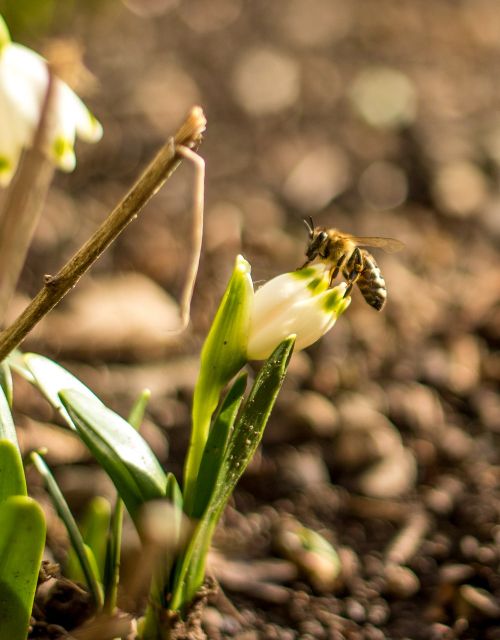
[{"x": 198, "y": 208}]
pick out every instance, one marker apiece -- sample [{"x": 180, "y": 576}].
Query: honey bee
[{"x": 342, "y": 252}]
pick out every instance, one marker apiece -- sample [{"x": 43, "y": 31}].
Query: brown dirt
[{"x": 385, "y": 438}]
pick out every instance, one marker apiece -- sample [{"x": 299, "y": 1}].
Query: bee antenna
[{"x": 310, "y": 226}]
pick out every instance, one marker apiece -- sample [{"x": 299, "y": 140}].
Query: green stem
[
  {"x": 205, "y": 400},
  {"x": 71, "y": 526},
  {"x": 113, "y": 558}
]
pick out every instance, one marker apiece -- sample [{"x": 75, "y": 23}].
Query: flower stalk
[{"x": 222, "y": 356}]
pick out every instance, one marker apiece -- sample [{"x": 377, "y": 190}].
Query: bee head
[{"x": 317, "y": 238}]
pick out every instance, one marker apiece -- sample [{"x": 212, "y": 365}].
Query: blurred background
[{"x": 379, "y": 118}]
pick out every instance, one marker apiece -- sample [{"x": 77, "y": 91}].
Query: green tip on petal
[
  {"x": 4, "y": 33},
  {"x": 64, "y": 154},
  {"x": 344, "y": 303},
  {"x": 304, "y": 274},
  {"x": 334, "y": 301},
  {"x": 317, "y": 285},
  {"x": 6, "y": 171},
  {"x": 5, "y": 164}
]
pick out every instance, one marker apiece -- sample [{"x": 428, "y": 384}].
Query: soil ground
[{"x": 379, "y": 118}]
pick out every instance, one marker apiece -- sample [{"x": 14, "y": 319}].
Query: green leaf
[
  {"x": 113, "y": 554},
  {"x": 7, "y": 428},
  {"x": 136, "y": 415},
  {"x": 213, "y": 454},
  {"x": 12, "y": 479},
  {"x": 174, "y": 495},
  {"x": 95, "y": 530},
  {"x": 15, "y": 360},
  {"x": 6, "y": 381},
  {"x": 222, "y": 356},
  {"x": 243, "y": 442},
  {"x": 22, "y": 540},
  {"x": 76, "y": 539},
  {"x": 51, "y": 379},
  {"x": 154, "y": 619},
  {"x": 118, "y": 448},
  {"x": 73, "y": 567}
]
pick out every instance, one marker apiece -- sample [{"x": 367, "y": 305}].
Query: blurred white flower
[
  {"x": 299, "y": 303},
  {"x": 24, "y": 78}
]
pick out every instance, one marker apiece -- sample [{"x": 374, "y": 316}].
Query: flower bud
[{"x": 300, "y": 303}]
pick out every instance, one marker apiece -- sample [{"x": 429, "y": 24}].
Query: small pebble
[
  {"x": 317, "y": 413},
  {"x": 378, "y": 612},
  {"x": 401, "y": 581},
  {"x": 481, "y": 600},
  {"x": 455, "y": 573},
  {"x": 302, "y": 468},
  {"x": 469, "y": 547},
  {"x": 391, "y": 477},
  {"x": 313, "y": 628},
  {"x": 372, "y": 633},
  {"x": 355, "y": 610}
]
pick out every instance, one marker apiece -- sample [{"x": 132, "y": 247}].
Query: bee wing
[{"x": 390, "y": 245}]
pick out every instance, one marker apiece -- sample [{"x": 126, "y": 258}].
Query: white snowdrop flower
[
  {"x": 299, "y": 303},
  {"x": 24, "y": 78}
]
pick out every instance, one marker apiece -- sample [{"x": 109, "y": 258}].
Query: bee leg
[
  {"x": 356, "y": 267},
  {"x": 335, "y": 272}
]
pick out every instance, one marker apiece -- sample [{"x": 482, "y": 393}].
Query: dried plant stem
[
  {"x": 23, "y": 205},
  {"x": 197, "y": 230},
  {"x": 56, "y": 287}
]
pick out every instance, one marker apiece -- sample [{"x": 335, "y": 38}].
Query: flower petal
[
  {"x": 24, "y": 80},
  {"x": 86, "y": 124},
  {"x": 308, "y": 317},
  {"x": 281, "y": 292},
  {"x": 11, "y": 139}
]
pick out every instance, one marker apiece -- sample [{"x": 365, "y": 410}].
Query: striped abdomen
[{"x": 371, "y": 282}]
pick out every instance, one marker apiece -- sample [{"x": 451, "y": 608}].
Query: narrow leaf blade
[
  {"x": 22, "y": 540},
  {"x": 119, "y": 449},
  {"x": 113, "y": 552},
  {"x": 222, "y": 356},
  {"x": 242, "y": 445},
  {"x": 7, "y": 428},
  {"x": 213, "y": 454},
  {"x": 136, "y": 415},
  {"x": 12, "y": 479},
  {"x": 51, "y": 379},
  {"x": 64, "y": 512},
  {"x": 15, "y": 360},
  {"x": 6, "y": 381},
  {"x": 95, "y": 530}
]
